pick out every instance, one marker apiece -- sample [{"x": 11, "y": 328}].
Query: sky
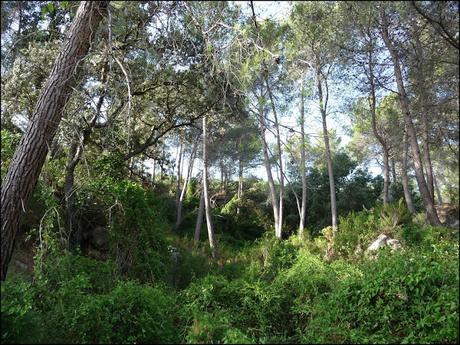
[{"x": 279, "y": 10}]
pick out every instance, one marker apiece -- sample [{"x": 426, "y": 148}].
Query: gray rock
[
  {"x": 394, "y": 244},
  {"x": 100, "y": 238},
  {"x": 378, "y": 243},
  {"x": 384, "y": 240}
]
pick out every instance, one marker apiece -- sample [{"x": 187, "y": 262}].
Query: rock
[
  {"x": 394, "y": 244},
  {"x": 448, "y": 214},
  {"x": 99, "y": 238},
  {"x": 384, "y": 240},
  {"x": 378, "y": 243}
]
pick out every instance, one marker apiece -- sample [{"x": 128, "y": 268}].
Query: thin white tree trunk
[
  {"x": 330, "y": 170},
  {"x": 268, "y": 167},
  {"x": 240, "y": 177},
  {"x": 279, "y": 228},
  {"x": 184, "y": 187},
  {"x": 199, "y": 218},
  {"x": 207, "y": 204},
  {"x": 404, "y": 176},
  {"x": 179, "y": 175},
  {"x": 302, "y": 161}
]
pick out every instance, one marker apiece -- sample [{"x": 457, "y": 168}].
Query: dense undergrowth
[{"x": 158, "y": 287}]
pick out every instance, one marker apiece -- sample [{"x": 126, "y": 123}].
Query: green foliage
[
  {"x": 20, "y": 322},
  {"x": 9, "y": 142},
  {"x": 399, "y": 298},
  {"x": 357, "y": 230},
  {"x": 393, "y": 216},
  {"x": 137, "y": 239}
]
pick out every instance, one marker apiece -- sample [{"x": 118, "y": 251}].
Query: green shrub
[
  {"x": 20, "y": 322},
  {"x": 393, "y": 216},
  {"x": 409, "y": 296},
  {"x": 356, "y": 231},
  {"x": 101, "y": 275}
]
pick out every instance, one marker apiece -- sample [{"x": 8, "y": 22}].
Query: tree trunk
[
  {"x": 303, "y": 177},
  {"x": 207, "y": 205},
  {"x": 425, "y": 98},
  {"x": 393, "y": 171},
  {"x": 179, "y": 176},
  {"x": 74, "y": 157},
  {"x": 268, "y": 168},
  {"x": 428, "y": 166},
  {"x": 372, "y": 101},
  {"x": 279, "y": 228},
  {"x": 404, "y": 177},
  {"x": 221, "y": 176},
  {"x": 386, "y": 175},
  {"x": 404, "y": 103},
  {"x": 199, "y": 218},
  {"x": 328, "y": 151},
  {"x": 184, "y": 187},
  {"x": 30, "y": 155},
  {"x": 438, "y": 190},
  {"x": 240, "y": 177}
]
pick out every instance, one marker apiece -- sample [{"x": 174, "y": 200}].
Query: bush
[
  {"x": 130, "y": 313},
  {"x": 20, "y": 322},
  {"x": 402, "y": 297},
  {"x": 356, "y": 231}
]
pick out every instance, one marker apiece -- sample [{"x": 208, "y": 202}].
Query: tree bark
[
  {"x": 268, "y": 168},
  {"x": 179, "y": 175},
  {"x": 279, "y": 228},
  {"x": 330, "y": 170},
  {"x": 240, "y": 176},
  {"x": 404, "y": 177},
  {"x": 425, "y": 97},
  {"x": 184, "y": 187},
  {"x": 393, "y": 171},
  {"x": 30, "y": 155},
  {"x": 380, "y": 139},
  {"x": 303, "y": 177},
  {"x": 199, "y": 218},
  {"x": 404, "y": 103},
  {"x": 207, "y": 205},
  {"x": 438, "y": 190}
]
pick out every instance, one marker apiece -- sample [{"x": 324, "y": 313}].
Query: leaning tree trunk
[
  {"x": 328, "y": 152},
  {"x": 23, "y": 173},
  {"x": 207, "y": 204},
  {"x": 303, "y": 207},
  {"x": 432, "y": 216}
]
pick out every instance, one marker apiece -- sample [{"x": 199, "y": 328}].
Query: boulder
[
  {"x": 378, "y": 243},
  {"x": 394, "y": 244},
  {"x": 384, "y": 240},
  {"x": 99, "y": 238}
]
